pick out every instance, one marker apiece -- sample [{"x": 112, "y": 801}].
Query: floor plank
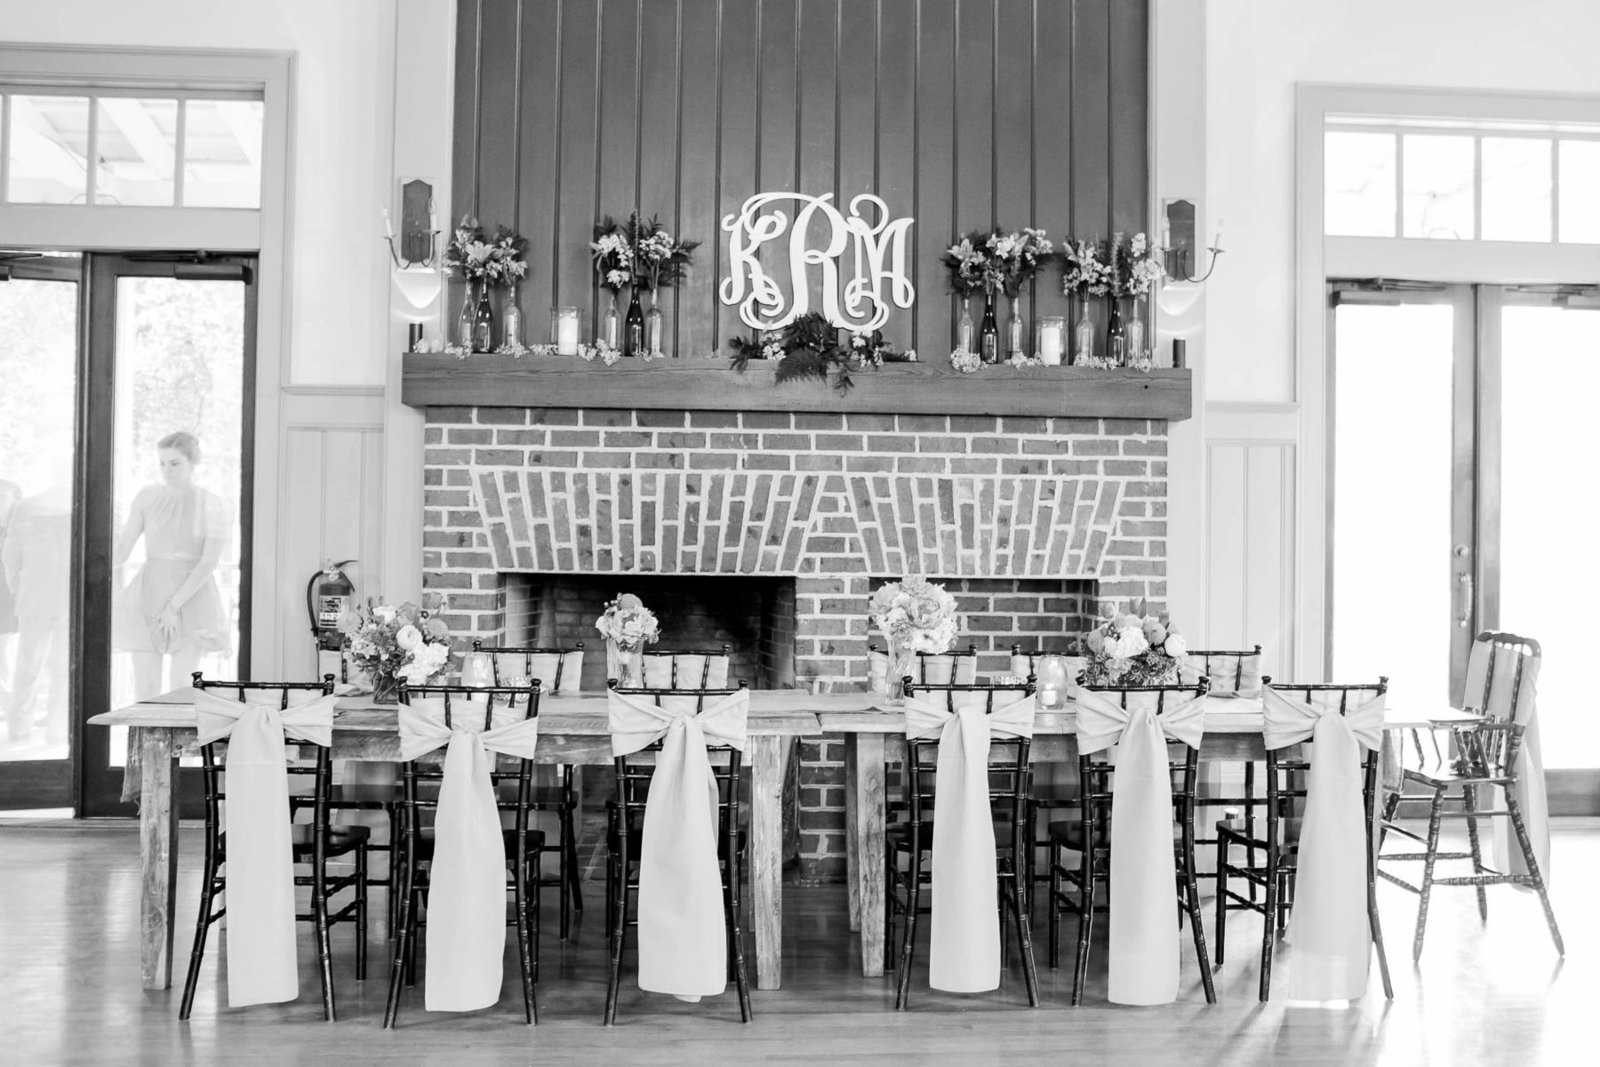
[{"x": 69, "y": 942}]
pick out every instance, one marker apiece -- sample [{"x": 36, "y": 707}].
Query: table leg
[
  {"x": 865, "y": 795},
  {"x": 852, "y": 840},
  {"x": 158, "y": 855},
  {"x": 768, "y": 754}
]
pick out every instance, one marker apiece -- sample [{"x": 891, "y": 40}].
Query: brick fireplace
[{"x": 531, "y": 514}]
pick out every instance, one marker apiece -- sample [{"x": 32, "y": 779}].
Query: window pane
[
  {"x": 38, "y": 363},
  {"x": 222, "y": 153},
  {"x": 1580, "y": 191},
  {"x": 1358, "y": 180},
  {"x": 135, "y": 151},
  {"x": 1516, "y": 189},
  {"x": 49, "y": 149},
  {"x": 1438, "y": 186}
]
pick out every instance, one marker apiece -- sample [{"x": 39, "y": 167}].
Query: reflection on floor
[{"x": 1490, "y": 994}]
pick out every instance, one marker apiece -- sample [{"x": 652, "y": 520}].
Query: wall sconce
[
  {"x": 1182, "y": 286},
  {"x": 416, "y": 262}
]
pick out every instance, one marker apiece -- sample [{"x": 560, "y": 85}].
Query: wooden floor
[{"x": 1490, "y": 994}]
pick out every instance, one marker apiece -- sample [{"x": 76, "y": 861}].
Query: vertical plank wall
[{"x": 964, "y": 114}]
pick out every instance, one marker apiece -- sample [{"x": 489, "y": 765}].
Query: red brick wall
[{"x": 1027, "y": 520}]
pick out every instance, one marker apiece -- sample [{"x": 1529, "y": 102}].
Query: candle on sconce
[
  {"x": 1052, "y": 339},
  {"x": 388, "y": 227},
  {"x": 567, "y": 331}
]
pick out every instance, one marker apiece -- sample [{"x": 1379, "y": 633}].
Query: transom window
[
  {"x": 149, "y": 149},
  {"x": 1443, "y": 180}
]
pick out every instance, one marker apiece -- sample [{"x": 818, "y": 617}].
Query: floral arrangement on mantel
[
  {"x": 627, "y": 625},
  {"x": 393, "y": 644},
  {"x": 642, "y": 254},
  {"x": 810, "y": 347},
  {"x": 494, "y": 261},
  {"x": 914, "y": 615},
  {"x": 997, "y": 261},
  {"x": 1134, "y": 649}
]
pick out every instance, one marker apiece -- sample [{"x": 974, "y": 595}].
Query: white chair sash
[
  {"x": 1330, "y": 942},
  {"x": 1530, "y": 788},
  {"x": 683, "y": 946},
  {"x": 466, "y": 932},
  {"x": 259, "y": 891},
  {"x": 964, "y": 944},
  {"x": 1143, "y": 964}
]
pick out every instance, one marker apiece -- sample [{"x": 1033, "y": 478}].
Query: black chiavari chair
[
  {"x": 625, "y": 837},
  {"x": 1286, "y": 771},
  {"x": 686, "y": 668},
  {"x": 314, "y": 844},
  {"x": 1487, "y": 756},
  {"x": 558, "y": 671},
  {"x": 420, "y": 780},
  {"x": 911, "y": 843},
  {"x": 1090, "y": 837},
  {"x": 1055, "y": 796}
]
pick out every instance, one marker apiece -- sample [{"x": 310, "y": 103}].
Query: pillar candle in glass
[
  {"x": 567, "y": 331},
  {"x": 1052, "y": 339},
  {"x": 1050, "y": 679}
]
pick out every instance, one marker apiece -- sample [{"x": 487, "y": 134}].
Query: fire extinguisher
[{"x": 328, "y": 595}]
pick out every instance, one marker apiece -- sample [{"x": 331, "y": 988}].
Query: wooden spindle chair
[
  {"x": 911, "y": 843},
  {"x": 1274, "y": 876},
  {"x": 1487, "y": 756},
  {"x": 420, "y": 780},
  {"x": 625, "y": 839},
  {"x": 558, "y": 671},
  {"x": 1090, "y": 837},
  {"x": 314, "y": 844}
]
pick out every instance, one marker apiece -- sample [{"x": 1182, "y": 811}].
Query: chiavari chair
[
  {"x": 558, "y": 671},
  {"x": 313, "y": 843},
  {"x": 1055, "y": 796},
  {"x": 908, "y": 867},
  {"x": 959, "y": 666},
  {"x": 625, "y": 839},
  {"x": 421, "y": 779},
  {"x": 1089, "y": 837},
  {"x": 1275, "y": 874},
  {"x": 686, "y": 668},
  {"x": 1490, "y": 756}
]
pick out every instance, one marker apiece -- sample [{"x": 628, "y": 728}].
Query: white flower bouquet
[
  {"x": 914, "y": 615},
  {"x": 404, "y": 643},
  {"x": 628, "y": 623},
  {"x": 1134, "y": 649}
]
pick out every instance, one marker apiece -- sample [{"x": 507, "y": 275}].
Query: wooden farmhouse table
[{"x": 574, "y": 729}]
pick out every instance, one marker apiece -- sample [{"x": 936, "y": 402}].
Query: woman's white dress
[{"x": 178, "y": 521}]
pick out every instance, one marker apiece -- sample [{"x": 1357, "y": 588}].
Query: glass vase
[
  {"x": 625, "y": 665},
  {"x": 1014, "y": 331},
  {"x": 964, "y": 327},
  {"x": 1116, "y": 336},
  {"x": 894, "y": 681},
  {"x": 653, "y": 327},
  {"x": 611, "y": 328},
  {"x": 483, "y": 321},
  {"x": 1083, "y": 332},
  {"x": 511, "y": 321},
  {"x": 464, "y": 320},
  {"x": 1137, "y": 352},
  {"x": 633, "y": 327},
  {"x": 989, "y": 333},
  {"x": 385, "y": 688}
]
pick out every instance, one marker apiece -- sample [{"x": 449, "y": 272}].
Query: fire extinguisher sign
[{"x": 329, "y": 609}]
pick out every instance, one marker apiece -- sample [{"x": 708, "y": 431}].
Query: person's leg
[
  {"x": 55, "y": 668},
  {"x": 32, "y": 644},
  {"x": 146, "y": 675},
  {"x": 184, "y": 662}
]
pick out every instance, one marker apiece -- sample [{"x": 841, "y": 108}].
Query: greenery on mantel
[{"x": 809, "y": 348}]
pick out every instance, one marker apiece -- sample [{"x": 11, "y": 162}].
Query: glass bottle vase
[
  {"x": 611, "y": 328},
  {"x": 464, "y": 320},
  {"x": 633, "y": 329},
  {"x": 511, "y": 321},
  {"x": 483, "y": 321},
  {"x": 1083, "y": 332},
  {"x": 653, "y": 327},
  {"x": 1136, "y": 333},
  {"x": 1116, "y": 336},
  {"x": 1015, "y": 346},
  {"x": 964, "y": 328},
  {"x": 989, "y": 333}
]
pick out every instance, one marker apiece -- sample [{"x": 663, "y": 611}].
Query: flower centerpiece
[
  {"x": 1132, "y": 270},
  {"x": 809, "y": 347},
  {"x": 627, "y": 625},
  {"x": 1134, "y": 649},
  {"x": 914, "y": 615},
  {"x": 395, "y": 644},
  {"x": 484, "y": 263}
]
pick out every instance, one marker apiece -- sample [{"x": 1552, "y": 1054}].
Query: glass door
[
  {"x": 172, "y": 370},
  {"x": 39, "y": 366},
  {"x": 1403, "y": 540}
]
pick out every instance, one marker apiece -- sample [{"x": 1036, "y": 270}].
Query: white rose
[
  {"x": 408, "y": 638},
  {"x": 1176, "y": 646}
]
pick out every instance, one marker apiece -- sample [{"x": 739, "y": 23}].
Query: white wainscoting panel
[{"x": 1250, "y": 528}]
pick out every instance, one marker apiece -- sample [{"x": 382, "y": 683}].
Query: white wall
[{"x": 1262, "y": 484}]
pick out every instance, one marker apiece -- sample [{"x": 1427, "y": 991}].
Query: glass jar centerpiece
[
  {"x": 914, "y": 615},
  {"x": 627, "y": 626}
]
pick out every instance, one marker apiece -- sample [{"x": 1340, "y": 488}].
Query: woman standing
[{"x": 172, "y": 610}]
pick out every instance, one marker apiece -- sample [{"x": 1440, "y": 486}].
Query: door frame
[{"x": 99, "y": 785}]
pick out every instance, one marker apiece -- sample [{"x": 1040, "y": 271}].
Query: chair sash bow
[
  {"x": 964, "y": 943},
  {"x": 259, "y": 891},
  {"x": 1143, "y": 962},
  {"x": 682, "y": 925},
  {"x": 466, "y": 932},
  {"x": 1329, "y": 938}
]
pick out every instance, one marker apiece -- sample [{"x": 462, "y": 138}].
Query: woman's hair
[{"x": 182, "y": 441}]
